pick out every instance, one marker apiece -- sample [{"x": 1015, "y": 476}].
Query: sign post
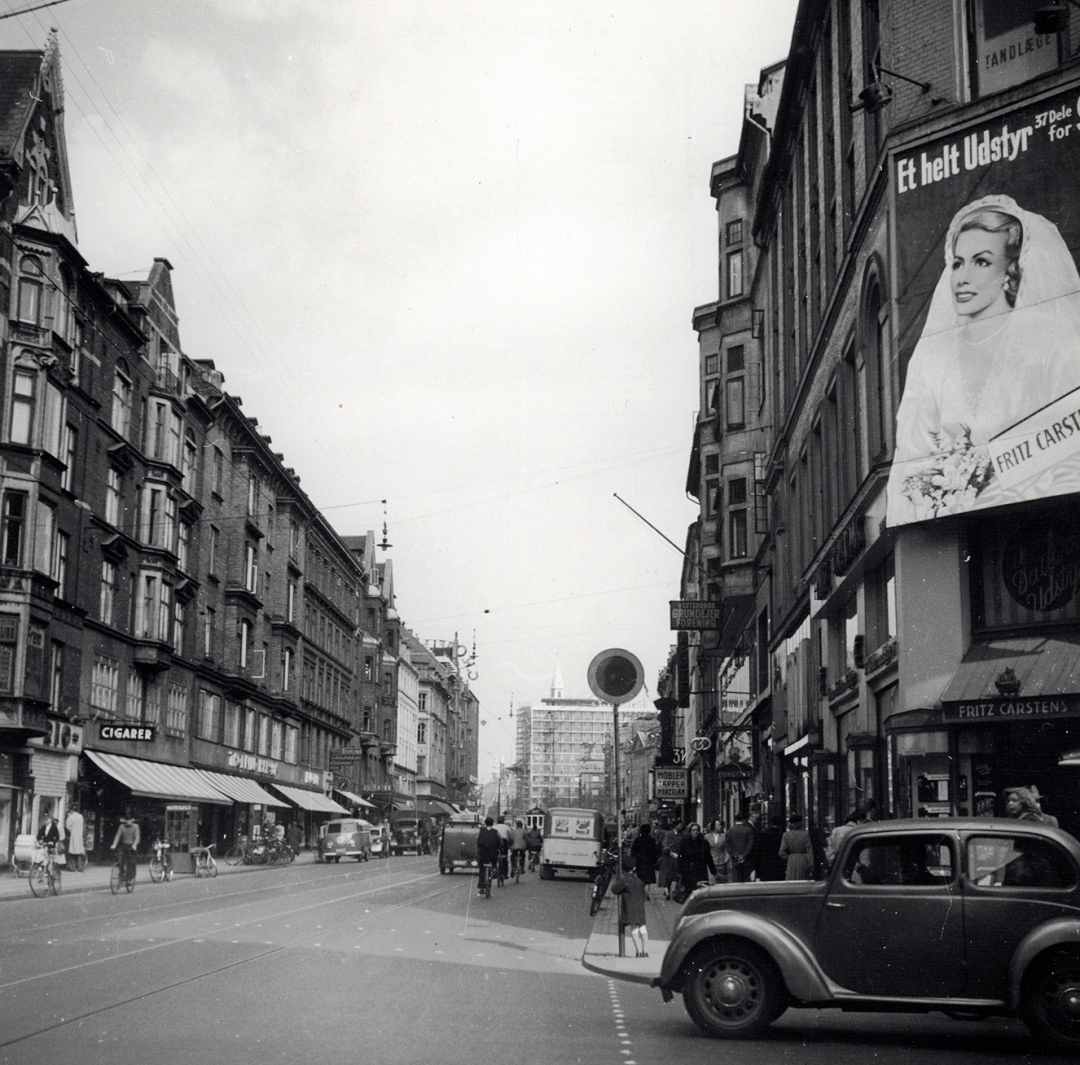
[{"x": 616, "y": 676}]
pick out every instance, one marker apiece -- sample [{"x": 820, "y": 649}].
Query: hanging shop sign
[
  {"x": 137, "y": 733},
  {"x": 669, "y": 783},
  {"x": 62, "y": 737},
  {"x": 698, "y": 614}
]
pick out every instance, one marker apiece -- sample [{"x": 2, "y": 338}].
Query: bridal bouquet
[{"x": 958, "y": 471}]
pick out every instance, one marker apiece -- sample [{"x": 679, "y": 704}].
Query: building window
[
  {"x": 191, "y": 456},
  {"x": 22, "y": 406},
  {"x": 231, "y": 732},
  {"x": 733, "y": 232},
  {"x": 209, "y": 708},
  {"x": 421, "y": 732},
  {"x": 178, "y": 627},
  {"x": 212, "y": 553},
  {"x": 290, "y": 601},
  {"x": 121, "y": 405},
  {"x": 264, "y": 735},
  {"x": 251, "y": 568},
  {"x": 252, "y": 494},
  {"x": 422, "y": 701},
  {"x": 251, "y": 730},
  {"x": 712, "y": 365},
  {"x": 104, "y": 682},
  {"x": 14, "y": 527},
  {"x": 71, "y": 438},
  {"x": 292, "y": 734},
  {"x": 107, "y": 594},
  {"x": 56, "y": 688},
  {"x": 176, "y": 715},
  {"x": 734, "y": 274},
  {"x": 183, "y": 542},
  {"x": 276, "y": 740},
  {"x": 58, "y": 570},
  {"x": 30, "y": 289},
  {"x": 9, "y": 645},
  {"x": 245, "y": 643},
  {"x": 151, "y": 702},
  {"x": 737, "y": 517},
  {"x": 219, "y": 469},
  {"x": 112, "y": 497},
  {"x": 286, "y": 669},
  {"x": 209, "y": 621}
]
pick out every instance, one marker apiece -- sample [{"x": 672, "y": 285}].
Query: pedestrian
[
  {"x": 1050, "y": 819},
  {"x": 716, "y": 838},
  {"x": 668, "y": 868},
  {"x": 797, "y": 851},
  {"x": 631, "y": 891},
  {"x": 1022, "y": 804},
  {"x": 75, "y": 826},
  {"x": 740, "y": 845},
  {"x": 858, "y": 816},
  {"x": 295, "y": 836},
  {"x": 695, "y": 859},
  {"x": 768, "y": 865},
  {"x": 645, "y": 855}
]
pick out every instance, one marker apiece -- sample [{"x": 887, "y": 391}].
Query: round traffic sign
[{"x": 616, "y": 675}]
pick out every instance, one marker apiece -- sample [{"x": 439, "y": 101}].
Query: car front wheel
[
  {"x": 733, "y": 991},
  {"x": 1051, "y": 1005}
]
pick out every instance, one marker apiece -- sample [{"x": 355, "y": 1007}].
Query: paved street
[{"x": 385, "y": 962}]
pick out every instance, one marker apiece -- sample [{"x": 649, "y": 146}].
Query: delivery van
[{"x": 573, "y": 842}]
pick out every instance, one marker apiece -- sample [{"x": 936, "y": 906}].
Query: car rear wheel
[
  {"x": 1051, "y": 1004},
  {"x": 733, "y": 991}
]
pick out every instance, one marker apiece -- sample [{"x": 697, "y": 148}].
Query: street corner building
[
  {"x": 887, "y": 450},
  {"x": 183, "y": 634}
]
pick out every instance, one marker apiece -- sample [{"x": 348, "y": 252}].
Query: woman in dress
[
  {"x": 1000, "y": 342},
  {"x": 716, "y": 838},
  {"x": 797, "y": 850}
]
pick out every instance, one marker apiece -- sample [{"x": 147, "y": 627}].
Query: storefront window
[{"x": 922, "y": 774}]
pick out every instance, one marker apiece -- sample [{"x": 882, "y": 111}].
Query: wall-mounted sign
[
  {"x": 240, "y": 760},
  {"x": 1040, "y": 566},
  {"x": 1019, "y": 709},
  {"x": 700, "y": 614},
  {"x": 1008, "y": 50},
  {"x": 63, "y": 737},
  {"x": 989, "y": 308},
  {"x": 137, "y": 733}
]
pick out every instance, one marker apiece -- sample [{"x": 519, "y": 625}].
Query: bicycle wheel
[
  {"x": 211, "y": 866},
  {"x": 157, "y": 871},
  {"x": 54, "y": 880},
  {"x": 114, "y": 880},
  {"x": 39, "y": 882},
  {"x": 129, "y": 883},
  {"x": 235, "y": 855}
]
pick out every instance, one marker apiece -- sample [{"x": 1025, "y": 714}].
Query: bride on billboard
[{"x": 1001, "y": 342}]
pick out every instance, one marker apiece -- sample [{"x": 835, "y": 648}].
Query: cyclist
[
  {"x": 126, "y": 842},
  {"x": 534, "y": 842},
  {"x": 50, "y": 830},
  {"x": 518, "y": 844},
  {"x": 504, "y": 848},
  {"x": 487, "y": 851}
]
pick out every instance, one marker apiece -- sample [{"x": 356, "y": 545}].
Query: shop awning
[
  {"x": 428, "y": 804},
  {"x": 315, "y": 801},
  {"x": 1042, "y": 666},
  {"x": 158, "y": 780},
  {"x": 355, "y": 799},
  {"x": 241, "y": 789}
]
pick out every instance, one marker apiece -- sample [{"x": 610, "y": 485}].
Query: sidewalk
[
  {"x": 96, "y": 876},
  {"x": 602, "y": 949}
]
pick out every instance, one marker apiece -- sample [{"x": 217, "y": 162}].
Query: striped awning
[
  {"x": 241, "y": 789},
  {"x": 355, "y": 799},
  {"x": 315, "y": 801},
  {"x": 158, "y": 780}
]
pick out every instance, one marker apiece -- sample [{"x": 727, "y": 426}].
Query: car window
[
  {"x": 1018, "y": 861},
  {"x": 925, "y": 860},
  {"x": 333, "y": 828}
]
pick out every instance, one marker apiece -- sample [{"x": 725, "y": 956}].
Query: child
[{"x": 631, "y": 892}]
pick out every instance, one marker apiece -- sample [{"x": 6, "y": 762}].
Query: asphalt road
[{"x": 386, "y": 963}]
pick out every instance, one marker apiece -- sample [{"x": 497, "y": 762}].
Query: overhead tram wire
[{"x": 28, "y": 10}]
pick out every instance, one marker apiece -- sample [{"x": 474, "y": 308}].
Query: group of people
[
  {"x": 68, "y": 839},
  {"x": 503, "y": 848}
]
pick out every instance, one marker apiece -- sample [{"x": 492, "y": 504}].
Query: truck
[
  {"x": 573, "y": 842},
  {"x": 457, "y": 848},
  {"x": 410, "y": 833}
]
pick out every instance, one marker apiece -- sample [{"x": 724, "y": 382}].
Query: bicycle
[
  {"x": 202, "y": 861},
  {"x": 45, "y": 873},
  {"x": 486, "y": 875},
  {"x": 517, "y": 865},
  {"x": 161, "y": 866},
  {"x": 534, "y": 860},
  {"x": 238, "y": 852},
  {"x": 122, "y": 874},
  {"x": 601, "y": 879}
]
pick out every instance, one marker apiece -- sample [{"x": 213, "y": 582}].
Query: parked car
[
  {"x": 410, "y": 834},
  {"x": 969, "y": 916},
  {"x": 457, "y": 847},
  {"x": 380, "y": 841},
  {"x": 348, "y": 838}
]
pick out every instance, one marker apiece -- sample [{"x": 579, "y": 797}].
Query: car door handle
[{"x": 832, "y": 904}]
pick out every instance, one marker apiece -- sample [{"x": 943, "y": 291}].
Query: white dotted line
[{"x": 625, "y": 1043}]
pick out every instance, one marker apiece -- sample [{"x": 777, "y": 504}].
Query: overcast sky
[{"x": 447, "y": 254}]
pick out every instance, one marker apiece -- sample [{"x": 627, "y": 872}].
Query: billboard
[{"x": 987, "y": 225}]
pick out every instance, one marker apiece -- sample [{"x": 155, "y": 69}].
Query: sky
[{"x": 447, "y": 254}]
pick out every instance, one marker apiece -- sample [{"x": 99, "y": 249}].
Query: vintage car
[
  {"x": 457, "y": 846},
  {"x": 573, "y": 842},
  {"x": 969, "y": 916},
  {"x": 410, "y": 834},
  {"x": 345, "y": 838},
  {"x": 380, "y": 841}
]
